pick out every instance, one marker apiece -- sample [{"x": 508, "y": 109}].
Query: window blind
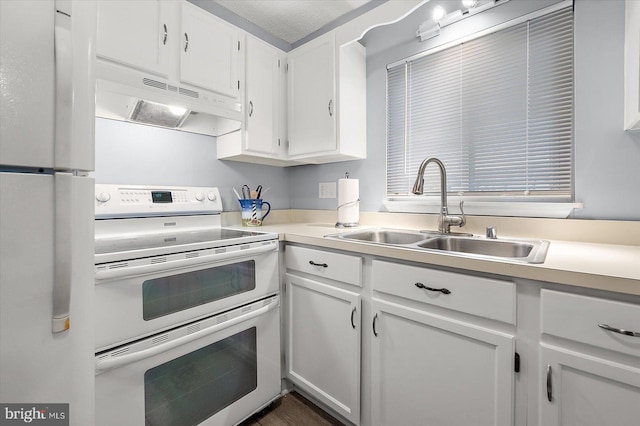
[{"x": 497, "y": 110}]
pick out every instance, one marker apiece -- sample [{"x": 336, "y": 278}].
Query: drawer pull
[
  {"x": 441, "y": 290},
  {"x": 619, "y": 330},
  {"x": 353, "y": 312},
  {"x": 375, "y": 317},
  {"x": 549, "y": 385},
  {"x": 324, "y": 265}
]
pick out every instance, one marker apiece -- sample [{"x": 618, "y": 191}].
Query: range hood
[{"x": 128, "y": 95}]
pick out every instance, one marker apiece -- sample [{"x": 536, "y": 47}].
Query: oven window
[
  {"x": 174, "y": 293},
  {"x": 192, "y": 388}
]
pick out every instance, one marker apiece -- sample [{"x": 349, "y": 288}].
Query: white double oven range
[{"x": 187, "y": 312}]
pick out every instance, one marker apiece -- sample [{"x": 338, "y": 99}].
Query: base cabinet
[
  {"x": 590, "y": 373},
  {"x": 580, "y": 390},
  {"x": 431, "y": 370},
  {"x": 323, "y": 349}
]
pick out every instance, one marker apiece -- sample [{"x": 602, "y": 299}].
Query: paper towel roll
[{"x": 348, "y": 202}]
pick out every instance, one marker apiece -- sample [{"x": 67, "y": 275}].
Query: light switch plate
[{"x": 327, "y": 190}]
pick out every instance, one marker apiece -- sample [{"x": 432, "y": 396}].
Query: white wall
[{"x": 607, "y": 160}]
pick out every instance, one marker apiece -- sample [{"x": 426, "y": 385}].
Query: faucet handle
[
  {"x": 464, "y": 217},
  {"x": 492, "y": 232}
]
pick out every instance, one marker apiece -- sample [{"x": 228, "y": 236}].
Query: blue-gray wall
[
  {"x": 129, "y": 153},
  {"x": 607, "y": 159}
]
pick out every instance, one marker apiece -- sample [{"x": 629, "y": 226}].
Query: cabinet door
[
  {"x": 209, "y": 51},
  {"x": 261, "y": 96},
  {"x": 431, "y": 370},
  {"x": 587, "y": 391},
  {"x": 323, "y": 347},
  {"x": 135, "y": 33},
  {"x": 312, "y": 101}
]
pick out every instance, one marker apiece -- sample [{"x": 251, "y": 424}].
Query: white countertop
[{"x": 608, "y": 267}]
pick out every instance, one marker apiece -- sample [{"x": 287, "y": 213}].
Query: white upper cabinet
[
  {"x": 327, "y": 101},
  {"x": 135, "y": 33},
  {"x": 262, "y": 139},
  {"x": 312, "y": 97},
  {"x": 177, "y": 41},
  {"x": 261, "y": 96},
  {"x": 209, "y": 51}
]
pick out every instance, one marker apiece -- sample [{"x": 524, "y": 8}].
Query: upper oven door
[{"x": 137, "y": 298}]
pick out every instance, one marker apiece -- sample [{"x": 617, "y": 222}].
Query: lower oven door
[
  {"x": 217, "y": 371},
  {"x": 140, "y": 297}
]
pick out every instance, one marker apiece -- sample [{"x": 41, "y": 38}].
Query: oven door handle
[
  {"x": 109, "y": 363},
  {"x": 134, "y": 271}
]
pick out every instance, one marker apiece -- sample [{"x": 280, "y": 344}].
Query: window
[{"x": 497, "y": 110}]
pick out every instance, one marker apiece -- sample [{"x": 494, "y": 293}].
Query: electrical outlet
[{"x": 327, "y": 190}]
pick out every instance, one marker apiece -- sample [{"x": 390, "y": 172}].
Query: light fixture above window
[
  {"x": 440, "y": 17},
  {"x": 438, "y": 13}
]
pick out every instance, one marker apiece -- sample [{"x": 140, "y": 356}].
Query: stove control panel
[{"x": 137, "y": 200}]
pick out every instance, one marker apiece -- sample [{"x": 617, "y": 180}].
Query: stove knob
[
  {"x": 103, "y": 197},
  {"x": 212, "y": 196},
  {"x": 200, "y": 196}
]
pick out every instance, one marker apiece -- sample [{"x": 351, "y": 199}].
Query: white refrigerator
[{"x": 46, "y": 207}]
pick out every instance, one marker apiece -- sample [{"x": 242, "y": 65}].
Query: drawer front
[
  {"x": 576, "y": 317},
  {"x": 334, "y": 266},
  {"x": 483, "y": 297}
]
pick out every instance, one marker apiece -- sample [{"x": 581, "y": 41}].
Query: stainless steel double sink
[{"x": 528, "y": 251}]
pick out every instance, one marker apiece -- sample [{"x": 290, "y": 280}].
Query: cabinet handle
[
  {"x": 375, "y": 317},
  {"x": 250, "y": 108},
  {"x": 549, "y": 385},
  {"x": 619, "y": 330},
  {"x": 353, "y": 312},
  {"x": 324, "y": 265},
  {"x": 441, "y": 290},
  {"x": 164, "y": 39},
  {"x": 186, "y": 41},
  {"x": 331, "y": 108}
]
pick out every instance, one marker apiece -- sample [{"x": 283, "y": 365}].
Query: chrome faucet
[{"x": 445, "y": 220}]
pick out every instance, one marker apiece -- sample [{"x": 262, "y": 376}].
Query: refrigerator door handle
[
  {"x": 64, "y": 89},
  {"x": 63, "y": 183}
]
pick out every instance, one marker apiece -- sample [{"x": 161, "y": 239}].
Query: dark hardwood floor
[{"x": 291, "y": 410}]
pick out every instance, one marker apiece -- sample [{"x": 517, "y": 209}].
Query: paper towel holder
[
  {"x": 349, "y": 203},
  {"x": 351, "y": 224}
]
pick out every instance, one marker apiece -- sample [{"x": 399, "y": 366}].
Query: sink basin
[
  {"x": 383, "y": 236},
  {"x": 530, "y": 251}
]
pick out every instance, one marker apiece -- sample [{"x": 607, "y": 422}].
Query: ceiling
[{"x": 292, "y": 20}]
